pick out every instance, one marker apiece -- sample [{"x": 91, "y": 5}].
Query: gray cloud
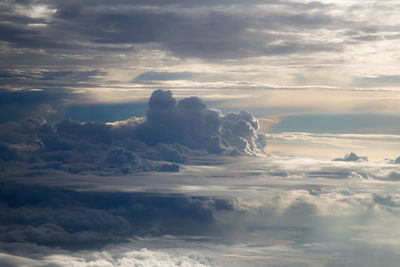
[
  {"x": 256, "y": 216},
  {"x": 211, "y": 31},
  {"x": 58, "y": 217},
  {"x": 190, "y": 123},
  {"x": 351, "y": 157},
  {"x": 53, "y": 44},
  {"x": 15, "y": 106},
  {"x": 164, "y": 76},
  {"x": 169, "y": 135}
]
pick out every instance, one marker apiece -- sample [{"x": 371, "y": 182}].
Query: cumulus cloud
[
  {"x": 169, "y": 135},
  {"x": 190, "y": 123}
]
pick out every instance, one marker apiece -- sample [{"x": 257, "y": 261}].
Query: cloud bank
[
  {"x": 171, "y": 133},
  {"x": 48, "y": 216},
  {"x": 250, "y": 211}
]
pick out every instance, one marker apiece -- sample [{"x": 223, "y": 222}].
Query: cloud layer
[
  {"x": 245, "y": 212},
  {"x": 69, "y": 219}
]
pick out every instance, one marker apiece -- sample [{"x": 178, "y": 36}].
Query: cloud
[
  {"x": 351, "y": 157},
  {"x": 386, "y": 200},
  {"x": 221, "y": 45},
  {"x": 6, "y": 154},
  {"x": 43, "y": 79},
  {"x": 205, "y": 30},
  {"x": 190, "y": 123},
  {"x": 15, "y": 106},
  {"x": 66, "y": 218},
  {"x": 171, "y": 132},
  {"x": 164, "y": 76},
  {"x": 256, "y": 216},
  {"x": 243, "y": 211},
  {"x": 134, "y": 257}
]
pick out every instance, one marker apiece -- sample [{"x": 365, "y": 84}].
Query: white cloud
[{"x": 143, "y": 257}]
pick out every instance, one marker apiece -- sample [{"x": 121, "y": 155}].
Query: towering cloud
[
  {"x": 169, "y": 133},
  {"x": 190, "y": 123}
]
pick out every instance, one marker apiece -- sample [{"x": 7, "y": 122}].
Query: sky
[{"x": 199, "y": 133}]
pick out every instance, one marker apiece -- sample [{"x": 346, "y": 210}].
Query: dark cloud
[
  {"x": 55, "y": 44},
  {"x": 41, "y": 93},
  {"x": 6, "y": 154},
  {"x": 43, "y": 80},
  {"x": 351, "y": 157},
  {"x": 15, "y": 106},
  {"x": 70, "y": 219},
  {"x": 171, "y": 132},
  {"x": 209, "y": 31},
  {"x": 385, "y": 200},
  {"x": 252, "y": 213}
]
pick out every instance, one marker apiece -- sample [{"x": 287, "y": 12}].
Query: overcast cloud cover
[{"x": 124, "y": 139}]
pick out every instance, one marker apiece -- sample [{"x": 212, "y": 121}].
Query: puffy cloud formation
[
  {"x": 171, "y": 132},
  {"x": 191, "y": 124},
  {"x": 351, "y": 157}
]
